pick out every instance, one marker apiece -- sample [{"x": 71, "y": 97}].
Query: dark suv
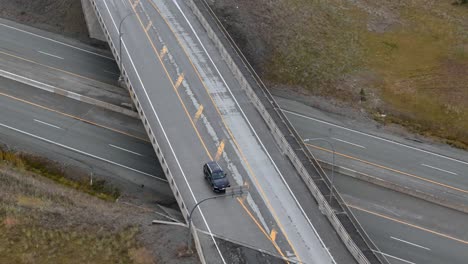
[{"x": 216, "y": 176}]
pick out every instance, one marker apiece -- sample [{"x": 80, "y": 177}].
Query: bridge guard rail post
[
  {"x": 347, "y": 227},
  {"x": 155, "y": 144}
]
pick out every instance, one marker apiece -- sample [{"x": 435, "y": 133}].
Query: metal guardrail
[
  {"x": 150, "y": 133},
  {"x": 340, "y": 216}
]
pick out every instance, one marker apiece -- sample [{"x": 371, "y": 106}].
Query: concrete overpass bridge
[{"x": 199, "y": 101}]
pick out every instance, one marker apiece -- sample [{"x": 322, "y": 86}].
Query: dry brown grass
[
  {"x": 41, "y": 222},
  {"x": 409, "y": 58}
]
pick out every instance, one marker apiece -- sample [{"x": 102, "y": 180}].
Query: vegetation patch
[
  {"x": 55, "y": 172},
  {"x": 45, "y": 222},
  {"x": 406, "y": 59}
]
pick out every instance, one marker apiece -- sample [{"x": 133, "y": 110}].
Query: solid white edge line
[
  {"x": 376, "y": 137},
  {"x": 165, "y": 135},
  {"x": 413, "y": 244},
  {"x": 439, "y": 169},
  {"x": 400, "y": 259},
  {"x": 56, "y": 41},
  {"x": 52, "y": 55},
  {"x": 80, "y": 151},
  {"x": 136, "y": 153},
  {"x": 344, "y": 141},
  {"x": 255, "y": 133},
  {"x": 42, "y": 122}
]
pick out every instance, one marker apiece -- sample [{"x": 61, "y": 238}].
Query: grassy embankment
[
  {"x": 406, "y": 59},
  {"x": 42, "y": 222}
]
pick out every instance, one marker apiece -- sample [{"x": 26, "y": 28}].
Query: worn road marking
[
  {"x": 52, "y": 55},
  {"x": 163, "y": 52},
  {"x": 149, "y": 25},
  {"x": 390, "y": 169},
  {"x": 53, "y": 40},
  {"x": 72, "y": 116},
  {"x": 337, "y": 139},
  {"x": 135, "y": 4},
  {"x": 136, "y": 153},
  {"x": 179, "y": 81},
  {"x": 162, "y": 128},
  {"x": 198, "y": 114},
  {"x": 439, "y": 169},
  {"x": 42, "y": 122},
  {"x": 409, "y": 224},
  {"x": 413, "y": 244},
  {"x": 220, "y": 150},
  {"x": 50, "y": 67},
  {"x": 275, "y": 245},
  {"x": 375, "y": 137},
  {"x": 400, "y": 259},
  {"x": 273, "y": 234},
  {"x": 81, "y": 152}
]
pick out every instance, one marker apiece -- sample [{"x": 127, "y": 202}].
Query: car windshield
[{"x": 218, "y": 175}]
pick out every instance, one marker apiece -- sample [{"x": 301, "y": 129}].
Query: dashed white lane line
[
  {"x": 397, "y": 258},
  {"x": 81, "y": 152},
  {"x": 413, "y": 244},
  {"x": 114, "y": 146},
  {"x": 53, "y": 40},
  {"x": 375, "y": 137},
  {"x": 47, "y": 124},
  {"x": 439, "y": 169},
  {"x": 52, "y": 55},
  {"x": 356, "y": 145}
]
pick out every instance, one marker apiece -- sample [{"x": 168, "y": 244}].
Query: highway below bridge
[
  {"x": 415, "y": 231},
  {"x": 194, "y": 111}
]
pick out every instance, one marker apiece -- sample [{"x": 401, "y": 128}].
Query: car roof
[{"x": 214, "y": 166}]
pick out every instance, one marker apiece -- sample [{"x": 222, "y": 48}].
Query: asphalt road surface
[
  {"x": 198, "y": 112},
  {"x": 309, "y": 121},
  {"x": 435, "y": 169},
  {"x": 78, "y": 134}
]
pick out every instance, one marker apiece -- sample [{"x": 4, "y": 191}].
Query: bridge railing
[
  {"x": 159, "y": 154},
  {"x": 338, "y": 213}
]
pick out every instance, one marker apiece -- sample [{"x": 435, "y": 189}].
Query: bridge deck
[{"x": 197, "y": 112}]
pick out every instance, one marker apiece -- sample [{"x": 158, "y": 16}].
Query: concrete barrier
[
  {"x": 65, "y": 93},
  {"x": 156, "y": 147},
  {"x": 287, "y": 138}
]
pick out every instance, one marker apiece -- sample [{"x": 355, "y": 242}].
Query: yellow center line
[
  {"x": 149, "y": 26},
  {"x": 50, "y": 67},
  {"x": 220, "y": 150},
  {"x": 163, "y": 52},
  {"x": 180, "y": 79},
  {"x": 409, "y": 224},
  {"x": 134, "y": 4},
  {"x": 72, "y": 116},
  {"x": 241, "y": 201},
  {"x": 198, "y": 114},
  {"x": 249, "y": 168},
  {"x": 390, "y": 169},
  {"x": 273, "y": 234}
]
